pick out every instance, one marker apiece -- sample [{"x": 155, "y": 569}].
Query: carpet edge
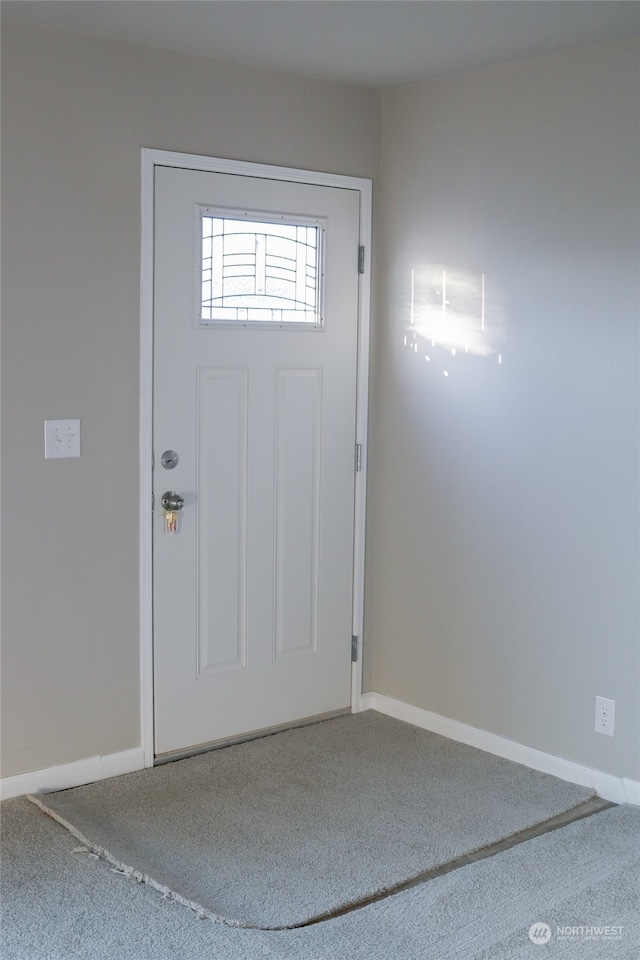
[
  {"x": 383, "y": 892},
  {"x": 136, "y": 875}
]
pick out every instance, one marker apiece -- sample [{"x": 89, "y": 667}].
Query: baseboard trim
[
  {"x": 72, "y": 774},
  {"x": 616, "y": 789},
  {"x": 631, "y": 791}
]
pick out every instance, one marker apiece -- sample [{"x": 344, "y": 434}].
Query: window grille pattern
[{"x": 253, "y": 271}]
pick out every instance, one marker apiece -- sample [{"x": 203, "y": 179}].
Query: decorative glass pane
[{"x": 259, "y": 272}]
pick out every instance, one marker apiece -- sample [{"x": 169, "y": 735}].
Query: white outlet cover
[
  {"x": 605, "y": 716},
  {"x": 61, "y": 439}
]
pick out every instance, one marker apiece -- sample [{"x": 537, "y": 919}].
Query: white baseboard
[
  {"x": 616, "y": 789},
  {"x": 72, "y": 774},
  {"x": 631, "y": 791}
]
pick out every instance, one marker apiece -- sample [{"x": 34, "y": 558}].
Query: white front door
[{"x": 255, "y": 361}]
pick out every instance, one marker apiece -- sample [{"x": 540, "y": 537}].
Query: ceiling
[{"x": 372, "y": 43}]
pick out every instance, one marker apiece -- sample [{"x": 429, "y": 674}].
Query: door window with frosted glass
[{"x": 257, "y": 271}]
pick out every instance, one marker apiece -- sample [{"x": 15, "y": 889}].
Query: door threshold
[{"x": 170, "y": 756}]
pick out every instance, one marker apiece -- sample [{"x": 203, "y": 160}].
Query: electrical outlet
[
  {"x": 605, "y": 716},
  {"x": 61, "y": 438}
]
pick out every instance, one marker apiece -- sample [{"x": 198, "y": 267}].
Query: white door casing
[{"x": 274, "y": 392}]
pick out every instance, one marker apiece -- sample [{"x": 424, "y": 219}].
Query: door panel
[
  {"x": 297, "y": 510},
  {"x": 221, "y": 512},
  {"x": 253, "y": 593}
]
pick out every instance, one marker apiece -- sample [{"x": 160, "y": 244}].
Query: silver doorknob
[{"x": 172, "y": 501}]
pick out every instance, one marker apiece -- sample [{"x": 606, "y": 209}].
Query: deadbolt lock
[{"x": 169, "y": 459}]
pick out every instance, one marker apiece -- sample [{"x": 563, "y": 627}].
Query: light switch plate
[{"x": 61, "y": 438}]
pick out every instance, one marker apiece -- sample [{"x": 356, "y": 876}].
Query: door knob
[{"x": 172, "y": 501}]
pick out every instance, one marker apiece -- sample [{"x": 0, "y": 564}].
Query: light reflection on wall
[{"x": 451, "y": 314}]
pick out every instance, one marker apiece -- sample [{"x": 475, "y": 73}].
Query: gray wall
[
  {"x": 76, "y": 112},
  {"x": 503, "y": 582},
  {"x": 502, "y": 567}
]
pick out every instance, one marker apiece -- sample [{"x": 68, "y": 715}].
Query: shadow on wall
[{"x": 453, "y": 313}]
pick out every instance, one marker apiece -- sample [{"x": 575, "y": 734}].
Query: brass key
[{"x": 171, "y": 521}]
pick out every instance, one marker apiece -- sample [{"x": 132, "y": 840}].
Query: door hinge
[
  {"x": 354, "y": 649},
  {"x": 360, "y": 259},
  {"x": 358, "y": 457}
]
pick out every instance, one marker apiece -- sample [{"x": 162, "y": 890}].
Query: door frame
[{"x": 161, "y": 158}]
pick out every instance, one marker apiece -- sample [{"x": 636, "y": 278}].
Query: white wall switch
[
  {"x": 605, "y": 716},
  {"x": 61, "y": 438}
]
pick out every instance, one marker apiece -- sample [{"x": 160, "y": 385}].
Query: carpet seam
[
  {"x": 203, "y": 912},
  {"x": 472, "y": 856}
]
